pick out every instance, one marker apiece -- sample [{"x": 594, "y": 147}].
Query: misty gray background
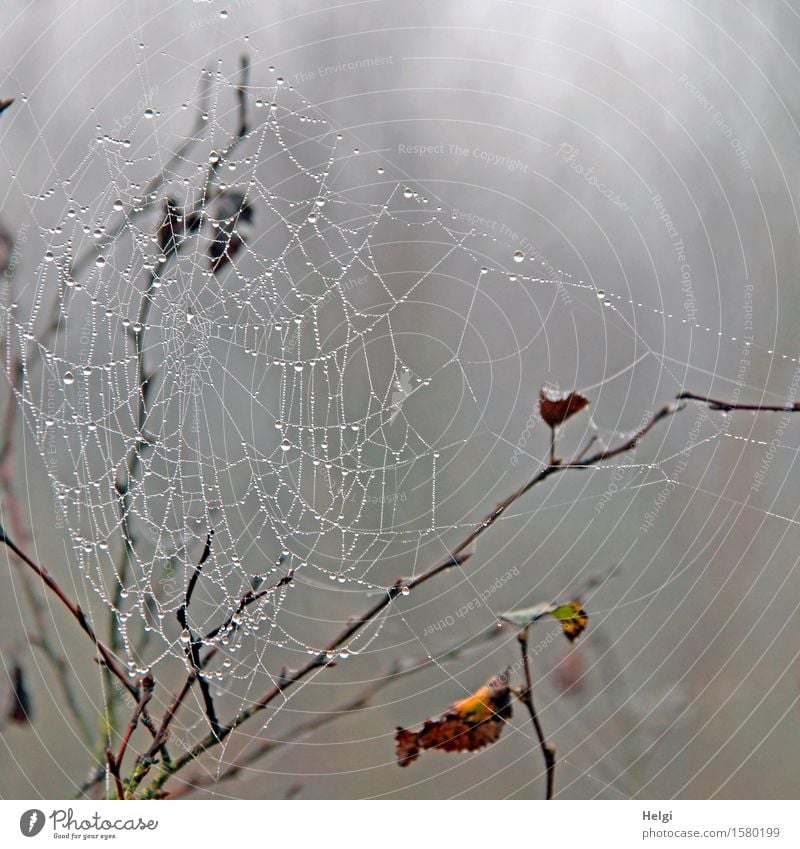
[{"x": 691, "y": 656}]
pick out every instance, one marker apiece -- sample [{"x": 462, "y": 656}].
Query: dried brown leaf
[
  {"x": 555, "y": 409},
  {"x": 466, "y": 726}
]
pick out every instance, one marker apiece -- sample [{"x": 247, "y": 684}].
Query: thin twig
[
  {"x": 526, "y": 696},
  {"x": 728, "y": 406},
  {"x": 146, "y": 687},
  {"x": 145, "y": 381},
  {"x": 454, "y": 558},
  {"x": 145, "y": 761},
  {"x": 361, "y": 701},
  {"x": 113, "y": 770},
  {"x": 108, "y": 659},
  {"x": 194, "y": 645},
  {"x": 73, "y": 608}
]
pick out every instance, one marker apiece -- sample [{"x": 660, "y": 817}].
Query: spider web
[
  {"x": 260, "y": 419},
  {"x": 283, "y": 439}
]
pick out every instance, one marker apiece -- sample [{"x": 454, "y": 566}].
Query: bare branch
[
  {"x": 456, "y": 557},
  {"x": 729, "y": 406},
  {"x": 526, "y": 697}
]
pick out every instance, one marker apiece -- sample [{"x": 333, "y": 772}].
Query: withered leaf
[
  {"x": 176, "y": 226},
  {"x": 556, "y": 408},
  {"x": 466, "y": 726},
  {"x": 229, "y": 211},
  {"x": 573, "y": 619},
  {"x": 6, "y": 248},
  {"x": 571, "y": 616}
]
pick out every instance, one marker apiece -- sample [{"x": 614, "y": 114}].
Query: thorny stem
[{"x": 526, "y": 696}]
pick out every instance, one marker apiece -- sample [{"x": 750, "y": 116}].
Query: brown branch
[
  {"x": 109, "y": 662},
  {"x": 145, "y": 761},
  {"x": 146, "y": 687},
  {"x": 194, "y": 645},
  {"x": 74, "y": 609},
  {"x": 362, "y": 700},
  {"x": 113, "y": 770},
  {"x": 728, "y": 406},
  {"x": 526, "y": 696},
  {"x": 114, "y": 762},
  {"x": 456, "y": 557},
  {"x": 145, "y": 387},
  {"x": 40, "y": 636}
]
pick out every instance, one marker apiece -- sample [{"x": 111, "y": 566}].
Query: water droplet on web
[
  {"x": 519, "y": 256},
  {"x": 408, "y": 193},
  {"x": 100, "y": 261},
  {"x": 148, "y": 113},
  {"x": 117, "y": 206},
  {"x": 285, "y": 445},
  {"x": 600, "y": 294},
  {"x": 48, "y": 257},
  {"x": 68, "y": 379}
]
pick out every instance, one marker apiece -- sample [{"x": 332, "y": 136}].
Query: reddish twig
[
  {"x": 146, "y": 687},
  {"x": 109, "y": 662}
]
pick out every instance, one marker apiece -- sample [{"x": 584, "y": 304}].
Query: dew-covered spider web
[
  {"x": 228, "y": 381},
  {"x": 234, "y": 386}
]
